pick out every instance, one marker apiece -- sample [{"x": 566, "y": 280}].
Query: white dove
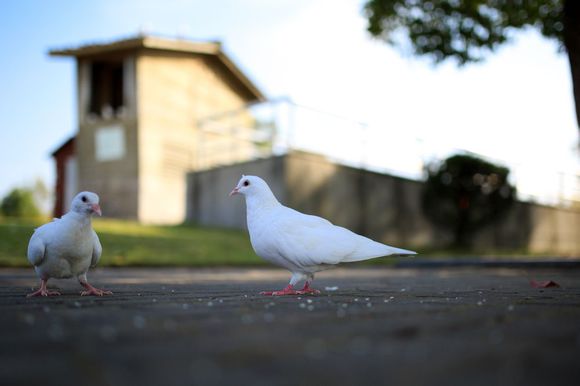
[
  {"x": 67, "y": 246},
  {"x": 303, "y": 244}
]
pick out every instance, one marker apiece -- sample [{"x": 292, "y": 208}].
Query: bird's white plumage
[
  {"x": 67, "y": 246},
  {"x": 301, "y": 243}
]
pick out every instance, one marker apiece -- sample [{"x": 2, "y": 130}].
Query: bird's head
[
  {"x": 250, "y": 185},
  {"x": 86, "y": 203}
]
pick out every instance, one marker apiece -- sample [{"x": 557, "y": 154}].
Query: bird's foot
[
  {"x": 308, "y": 291},
  {"x": 92, "y": 291},
  {"x": 95, "y": 292},
  {"x": 288, "y": 290},
  {"x": 43, "y": 292},
  {"x": 279, "y": 293}
]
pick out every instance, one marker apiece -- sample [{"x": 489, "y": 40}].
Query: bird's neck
[
  {"x": 261, "y": 201},
  {"x": 82, "y": 219}
]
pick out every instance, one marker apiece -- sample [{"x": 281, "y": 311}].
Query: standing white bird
[
  {"x": 67, "y": 246},
  {"x": 301, "y": 243}
]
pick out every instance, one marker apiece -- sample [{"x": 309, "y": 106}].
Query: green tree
[
  {"x": 41, "y": 195},
  {"x": 464, "y": 193},
  {"x": 465, "y": 30},
  {"x": 19, "y": 203}
]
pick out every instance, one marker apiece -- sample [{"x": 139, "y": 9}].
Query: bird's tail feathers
[
  {"x": 402, "y": 252},
  {"x": 378, "y": 250}
]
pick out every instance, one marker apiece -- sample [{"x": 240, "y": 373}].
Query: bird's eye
[
  {"x": 246, "y": 183},
  {"x": 84, "y": 198}
]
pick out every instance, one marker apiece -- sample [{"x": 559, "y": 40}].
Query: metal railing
[{"x": 278, "y": 126}]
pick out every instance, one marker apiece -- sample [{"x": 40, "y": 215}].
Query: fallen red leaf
[{"x": 544, "y": 284}]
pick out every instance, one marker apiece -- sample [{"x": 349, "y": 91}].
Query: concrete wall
[
  {"x": 383, "y": 207},
  {"x": 553, "y": 229},
  {"x": 380, "y": 206},
  {"x": 208, "y": 202}
]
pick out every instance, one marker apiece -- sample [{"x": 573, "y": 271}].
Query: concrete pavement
[{"x": 436, "y": 326}]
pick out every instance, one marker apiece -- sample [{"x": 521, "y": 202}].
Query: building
[
  {"x": 166, "y": 128},
  {"x": 66, "y": 176},
  {"x": 139, "y": 101}
]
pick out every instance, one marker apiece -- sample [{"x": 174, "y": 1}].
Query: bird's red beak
[
  {"x": 96, "y": 209},
  {"x": 235, "y": 191}
]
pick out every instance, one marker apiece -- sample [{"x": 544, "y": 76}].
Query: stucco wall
[
  {"x": 174, "y": 91},
  {"x": 116, "y": 181},
  {"x": 380, "y": 206}
]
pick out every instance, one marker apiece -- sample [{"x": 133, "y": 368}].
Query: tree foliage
[
  {"x": 465, "y": 30},
  {"x": 19, "y": 203},
  {"x": 464, "y": 193},
  {"x": 461, "y": 29}
]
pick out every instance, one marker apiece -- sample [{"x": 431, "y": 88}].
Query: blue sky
[{"x": 516, "y": 106}]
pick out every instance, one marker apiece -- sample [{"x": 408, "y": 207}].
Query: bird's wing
[
  {"x": 311, "y": 240},
  {"x": 97, "y": 249},
  {"x": 36, "y": 248}
]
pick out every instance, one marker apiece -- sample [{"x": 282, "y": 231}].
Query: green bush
[
  {"x": 19, "y": 203},
  {"x": 464, "y": 193}
]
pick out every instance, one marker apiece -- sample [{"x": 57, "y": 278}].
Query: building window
[
  {"x": 109, "y": 143},
  {"x": 106, "y": 88}
]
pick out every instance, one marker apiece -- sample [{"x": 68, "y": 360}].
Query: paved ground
[{"x": 445, "y": 326}]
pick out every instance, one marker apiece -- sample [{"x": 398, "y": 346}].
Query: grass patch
[{"x": 127, "y": 243}]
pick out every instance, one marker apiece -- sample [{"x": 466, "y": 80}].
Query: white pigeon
[
  {"x": 301, "y": 243},
  {"x": 68, "y": 246}
]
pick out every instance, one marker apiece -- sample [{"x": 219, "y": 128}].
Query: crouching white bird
[
  {"x": 68, "y": 246},
  {"x": 303, "y": 244}
]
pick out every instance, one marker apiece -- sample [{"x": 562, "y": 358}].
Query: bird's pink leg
[
  {"x": 93, "y": 291},
  {"x": 43, "y": 291},
  {"x": 288, "y": 290},
  {"x": 307, "y": 290}
]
